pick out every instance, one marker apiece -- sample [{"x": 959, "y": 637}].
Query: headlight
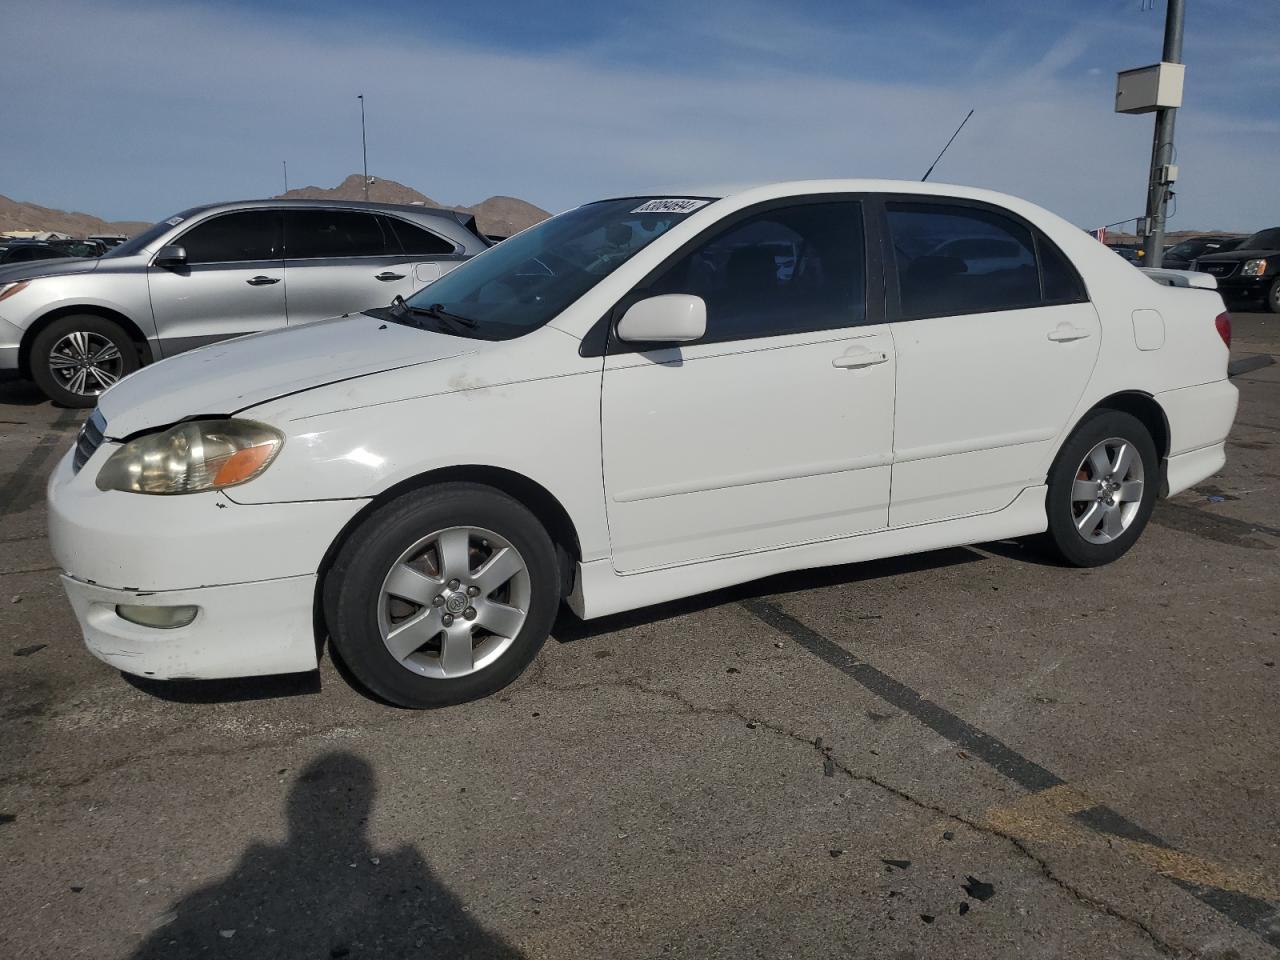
[
  {"x": 192, "y": 457},
  {"x": 1253, "y": 268},
  {"x": 9, "y": 289}
]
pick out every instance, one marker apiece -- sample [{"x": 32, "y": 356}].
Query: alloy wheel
[
  {"x": 454, "y": 602},
  {"x": 1107, "y": 493},
  {"x": 85, "y": 363}
]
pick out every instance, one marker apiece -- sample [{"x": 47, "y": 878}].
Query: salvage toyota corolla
[{"x": 638, "y": 400}]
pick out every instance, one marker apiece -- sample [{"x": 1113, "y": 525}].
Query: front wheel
[
  {"x": 75, "y": 358},
  {"x": 443, "y": 595},
  {"x": 1273, "y": 298},
  {"x": 1102, "y": 488}
]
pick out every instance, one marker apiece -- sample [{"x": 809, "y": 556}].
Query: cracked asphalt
[{"x": 966, "y": 753}]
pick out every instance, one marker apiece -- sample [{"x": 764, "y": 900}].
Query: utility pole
[
  {"x": 285, "y": 165},
  {"x": 364, "y": 148},
  {"x": 1161, "y": 180}
]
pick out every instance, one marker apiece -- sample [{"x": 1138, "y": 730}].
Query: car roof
[{"x": 329, "y": 204}]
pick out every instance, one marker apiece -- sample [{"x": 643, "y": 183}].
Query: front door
[
  {"x": 777, "y": 427},
  {"x": 996, "y": 341},
  {"x": 341, "y": 261},
  {"x": 232, "y": 282}
]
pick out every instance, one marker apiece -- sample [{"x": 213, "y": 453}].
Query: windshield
[
  {"x": 520, "y": 284},
  {"x": 1263, "y": 240},
  {"x": 150, "y": 235}
]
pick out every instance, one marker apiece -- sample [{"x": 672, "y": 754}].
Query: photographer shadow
[{"x": 325, "y": 892}]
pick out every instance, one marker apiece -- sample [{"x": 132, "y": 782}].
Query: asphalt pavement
[{"x": 970, "y": 753}]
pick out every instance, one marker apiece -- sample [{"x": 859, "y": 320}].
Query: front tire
[
  {"x": 75, "y": 358},
  {"x": 1273, "y": 298},
  {"x": 1102, "y": 489},
  {"x": 443, "y": 595}
]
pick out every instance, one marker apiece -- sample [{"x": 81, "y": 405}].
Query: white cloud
[{"x": 191, "y": 103}]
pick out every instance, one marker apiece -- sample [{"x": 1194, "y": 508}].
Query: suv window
[
  {"x": 233, "y": 237},
  {"x": 789, "y": 270},
  {"x": 313, "y": 234},
  {"x": 955, "y": 259},
  {"x": 417, "y": 242}
]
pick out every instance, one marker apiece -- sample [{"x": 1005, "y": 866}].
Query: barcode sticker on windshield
[
  {"x": 670, "y": 206},
  {"x": 174, "y": 221}
]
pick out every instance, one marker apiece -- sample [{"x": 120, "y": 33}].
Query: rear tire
[
  {"x": 1102, "y": 489},
  {"x": 75, "y": 358},
  {"x": 443, "y": 595}
]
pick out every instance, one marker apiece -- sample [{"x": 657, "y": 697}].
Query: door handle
[
  {"x": 1065, "y": 333},
  {"x": 261, "y": 281},
  {"x": 387, "y": 275},
  {"x": 856, "y": 359}
]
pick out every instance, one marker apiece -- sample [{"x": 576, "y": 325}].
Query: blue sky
[{"x": 138, "y": 109}]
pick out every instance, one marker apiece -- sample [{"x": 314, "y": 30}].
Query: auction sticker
[
  {"x": 174, "y": 221},
  {"x": 674, "y": 205}
]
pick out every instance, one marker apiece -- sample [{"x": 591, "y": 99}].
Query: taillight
[{"x": 1223, "y": 322}]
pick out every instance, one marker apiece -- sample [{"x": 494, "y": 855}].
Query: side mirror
[
  {"x": 670, "y": 318},
  {"x": 171, "y": 255}
]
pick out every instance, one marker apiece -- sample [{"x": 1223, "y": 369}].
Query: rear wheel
[
  {"x": 75, "y": 358},
  {"x": 443, "y": 595},
  {"x": 1102, "y": 488}
]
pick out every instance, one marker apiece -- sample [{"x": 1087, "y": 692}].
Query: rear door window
[
  {"x": 955, "y": 259},
  {"x": 417, "y": 242},
  {"x": 234, "y": 237},
  {"x": 330, "y": 234}
]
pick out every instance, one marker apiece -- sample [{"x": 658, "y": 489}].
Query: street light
[{"x": 364, "y": 148}]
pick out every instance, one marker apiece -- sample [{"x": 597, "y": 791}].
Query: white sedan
[{"x": 626, "y": 404}]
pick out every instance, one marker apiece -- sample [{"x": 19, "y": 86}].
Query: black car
[
  {"x": 1251, "y": 272},
  {"x": 25, "y": 251},
  {"x": 1181, "y": 254}
]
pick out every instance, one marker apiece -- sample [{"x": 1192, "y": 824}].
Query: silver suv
[{"x": 77, "y": 326}]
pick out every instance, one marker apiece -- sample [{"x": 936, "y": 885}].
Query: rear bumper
[
  {"x": 1200, "y": 418},
  {"x": 244, "y": 630}
]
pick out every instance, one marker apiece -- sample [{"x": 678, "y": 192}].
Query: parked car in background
[
  {"x": 29, "y": 251},
  {"x": 1130, "y": 252},
  {"x": 108, "y": 240},
  {"x": 79, "y": 248},
  {"x": 1181, "y": 255},
  {"x": 1249, "y": 274},
  {"x": 213, "y": 272},
  {"x": 627, "y": 404}
]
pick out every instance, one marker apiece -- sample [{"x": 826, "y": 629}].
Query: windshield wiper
[{"x": 438, "y": 311}]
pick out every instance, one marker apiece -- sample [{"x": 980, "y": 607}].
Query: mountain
[
  {"x": 16, "y": 215},
  {"x": 501, "y": 216}
]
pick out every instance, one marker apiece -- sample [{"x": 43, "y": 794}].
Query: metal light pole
[
  {"x": 1162, "y": 145},
  {"x": 285, "y": 165},
  {"x": 364, "y": 148}
]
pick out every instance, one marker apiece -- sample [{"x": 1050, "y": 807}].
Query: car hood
[
  {"x": 1232, "y": 256},
  {"x": 33, "y": 270},
  {"x": 224, "y": 378}
]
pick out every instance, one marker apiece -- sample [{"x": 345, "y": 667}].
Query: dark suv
[{"x": 1251, "y": 272}]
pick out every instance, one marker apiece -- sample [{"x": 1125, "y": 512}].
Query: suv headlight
[
  {"x": 1254, "y": 268},
  {"x": 192, "y": 457}
]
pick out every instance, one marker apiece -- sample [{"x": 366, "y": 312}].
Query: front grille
[
  {"x": 90, "y": 438},
  {"x": 1224, "y": 269}
]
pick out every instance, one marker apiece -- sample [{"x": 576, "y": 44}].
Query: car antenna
[{"x": 944, "y": 149}]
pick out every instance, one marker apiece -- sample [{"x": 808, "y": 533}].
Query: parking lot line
[{"x": 1247, "y": 900}]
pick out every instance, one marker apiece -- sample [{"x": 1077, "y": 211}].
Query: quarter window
[
  {"x": 327, "y": 234},
  {"x": 955, "y": 259},
  {"x": 234, "y": 237},
  {"x": 417, "y": 242},
  {"x": 789, "y": 270}
]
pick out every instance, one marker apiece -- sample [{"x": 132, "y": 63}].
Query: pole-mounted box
[{"x": 1145, "y": 89}]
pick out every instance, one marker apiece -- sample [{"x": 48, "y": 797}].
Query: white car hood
[{"x": 227, "y": 377}]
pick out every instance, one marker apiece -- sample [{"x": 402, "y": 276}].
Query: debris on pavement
[{"x": 979, "y": 889}]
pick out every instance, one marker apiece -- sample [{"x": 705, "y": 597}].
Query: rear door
[
  {"x": 995, "y": 340},
  {"x": 341, "y": 261},
  {"x": 232, "y": 282}
]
